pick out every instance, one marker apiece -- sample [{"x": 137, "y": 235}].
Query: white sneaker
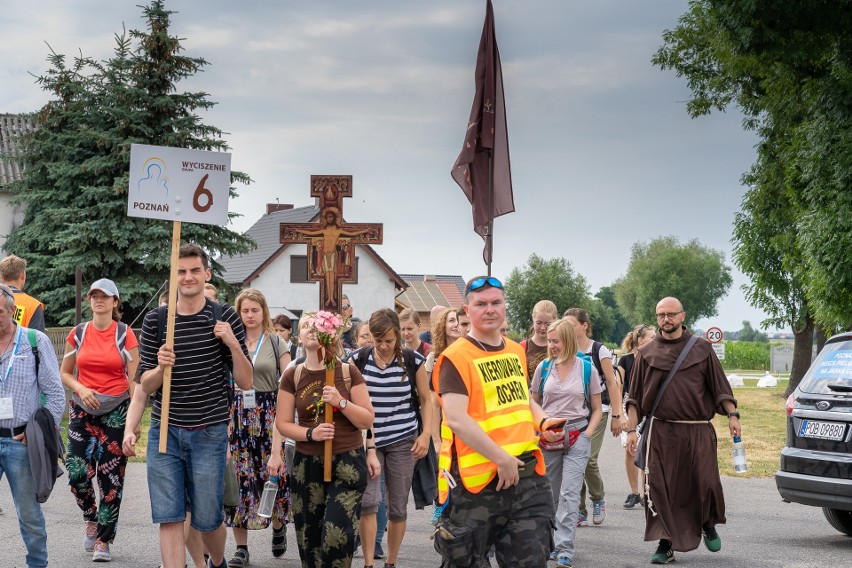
[
  {"x": 91, "y": 536},
  {"x": 101, "y": 553}
]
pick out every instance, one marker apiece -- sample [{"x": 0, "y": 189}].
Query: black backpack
[
  {"x": 596, "y": 359},
  {"x": 360, "y": 356},
  {"x": 162, "y": 314}
]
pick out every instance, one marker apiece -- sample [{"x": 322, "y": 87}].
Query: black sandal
[{"x": 279, "y": 541}]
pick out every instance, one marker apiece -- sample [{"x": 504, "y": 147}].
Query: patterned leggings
[
  {"x": 326, "y": 514},
  {"x": 94, "y": 448}
]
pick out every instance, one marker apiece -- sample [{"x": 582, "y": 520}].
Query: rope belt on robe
[{"x": 648, "y": 460}]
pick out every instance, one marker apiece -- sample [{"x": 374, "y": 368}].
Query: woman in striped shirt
[{"x": 400, "y": 428}]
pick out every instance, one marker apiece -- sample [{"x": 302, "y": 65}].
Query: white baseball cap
[{"x": 106, "y": 286}]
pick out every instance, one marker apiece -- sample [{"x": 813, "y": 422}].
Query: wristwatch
[
  {"x": 733, "y": 415},
  {"x": 342, "y": 404}
]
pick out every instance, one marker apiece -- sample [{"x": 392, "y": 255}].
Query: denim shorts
[{"x": 193, "y": 465}]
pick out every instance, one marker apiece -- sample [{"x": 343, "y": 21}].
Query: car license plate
[{"x": 823, "y": 430}]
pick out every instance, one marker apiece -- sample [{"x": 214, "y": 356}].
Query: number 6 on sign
[
  {"x": 165, "y": 181},
  {"x": 202, "y": 191}
]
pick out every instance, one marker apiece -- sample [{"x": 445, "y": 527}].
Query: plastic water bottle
[
  {"x": 267, "y": 500},
  {"x": 740, "y": 465}
]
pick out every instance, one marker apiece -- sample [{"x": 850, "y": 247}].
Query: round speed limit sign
[{"x": 714, "y": 335}]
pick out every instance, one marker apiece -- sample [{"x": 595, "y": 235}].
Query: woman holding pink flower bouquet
[{"x": 325, "y": 514}]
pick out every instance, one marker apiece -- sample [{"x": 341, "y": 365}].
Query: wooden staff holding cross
[{"x": 331, "y": 253}]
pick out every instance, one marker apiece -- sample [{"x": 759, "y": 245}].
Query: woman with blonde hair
[
  {"x": 535, "y": 346},
  {"x": 325, "y": 513},
  {"x": 566, "y": 386},
  {"x": 601, "y": 356},
  {"x": 638, "y": 336},
  {"x": 409, "y": 325},
  {"x": 256, "y": 445}
]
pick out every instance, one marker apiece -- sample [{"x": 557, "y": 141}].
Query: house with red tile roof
[{"x": 426, "y": 291}]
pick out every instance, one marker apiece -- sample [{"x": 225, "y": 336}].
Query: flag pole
[{"x": 489, "y": 242}]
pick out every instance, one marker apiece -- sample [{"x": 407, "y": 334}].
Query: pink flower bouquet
[{"x": 327, "y": 326}]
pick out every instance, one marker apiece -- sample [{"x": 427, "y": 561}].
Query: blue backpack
[{"x": 587, "y": 377}]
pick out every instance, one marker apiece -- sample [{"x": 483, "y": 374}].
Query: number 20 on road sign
[{"x": 714, "y": 335}]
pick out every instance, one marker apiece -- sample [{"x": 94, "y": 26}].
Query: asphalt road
[{"x": 762, "y": 531}]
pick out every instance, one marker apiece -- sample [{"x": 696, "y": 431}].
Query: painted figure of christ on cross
[{"x": 331, "y": 242}]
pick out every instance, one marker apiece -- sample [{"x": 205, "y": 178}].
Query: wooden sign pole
[
  {"x": 170, "y": 337},
  {"x": 329, "y": 419}
]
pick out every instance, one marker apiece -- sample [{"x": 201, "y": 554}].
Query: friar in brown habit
[{"x": 683, "y": 492}]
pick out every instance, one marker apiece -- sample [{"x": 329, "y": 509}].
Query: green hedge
[{"x": 746, "y": 355}]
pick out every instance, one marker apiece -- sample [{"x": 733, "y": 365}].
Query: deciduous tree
[
  {"x": 694, "y": 274},
  {"x": 542, "y": 279},
  {"x": 788, "y": 66}
]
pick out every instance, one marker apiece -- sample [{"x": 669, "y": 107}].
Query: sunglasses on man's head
[{"x": 482, "y": 282}]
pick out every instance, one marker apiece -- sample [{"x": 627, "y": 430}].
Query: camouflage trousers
[
  {"x": 517, "y": 521},
  {"x": 326, "y": 514}
]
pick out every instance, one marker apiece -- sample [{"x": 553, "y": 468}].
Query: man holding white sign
[{"x": 193, "y": 464}]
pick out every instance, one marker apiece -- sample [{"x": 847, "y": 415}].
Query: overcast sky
[{"x": 603, "y": 152}]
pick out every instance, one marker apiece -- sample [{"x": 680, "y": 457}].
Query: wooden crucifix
[{"x": 331, "y": 242}]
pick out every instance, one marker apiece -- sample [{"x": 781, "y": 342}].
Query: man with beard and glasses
[{"x": 683, "y": 492}]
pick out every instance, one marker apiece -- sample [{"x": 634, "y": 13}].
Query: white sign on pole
[
  {"x": 714, "y": 335},
  {"x": 177, "y": 184},
  {"x": 719, "y": 348}
]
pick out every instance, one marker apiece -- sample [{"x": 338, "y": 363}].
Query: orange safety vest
[
  {"x": 499, "y": 403},
  {"x": 25, "y": 307}
]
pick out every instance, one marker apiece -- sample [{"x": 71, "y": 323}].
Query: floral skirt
[{"x": 251, "y": 447}]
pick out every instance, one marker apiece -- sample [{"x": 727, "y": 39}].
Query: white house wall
[
  {"x": 374, "y": 290},
  {"x": 11, "y": 216}
]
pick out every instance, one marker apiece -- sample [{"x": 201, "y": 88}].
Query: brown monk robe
[{"x": 685, "y": 489}]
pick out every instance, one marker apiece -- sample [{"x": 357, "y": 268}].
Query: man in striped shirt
[{"x": 205, "y": 352}]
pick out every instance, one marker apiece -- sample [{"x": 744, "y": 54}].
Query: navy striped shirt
[
  {"x": 390, "y": 393},
  {"x": 200, "y": 383}
]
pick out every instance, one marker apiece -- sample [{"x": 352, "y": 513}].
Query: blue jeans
[
  {"x": 15, "y": 463},
  {"x": 565, "y": 474},
  {"x": 193, "y": 465}
]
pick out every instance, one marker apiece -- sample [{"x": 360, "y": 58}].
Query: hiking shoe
[
  {"x": 563, "y": 562},
  {"x": 712, "y": 540},
  {"x": 378, "y": 552},
  {"x": 101, "y": 552},
  {"x": 279, "y": 542},
  {"x": 91, "y": 536},
  {"x": 599, "y": 512},
  {"x": 240, "y": 559},
  {"x": 582, "y": 521},
  {"x": 632, "y": 500},
  {"x": 664, "y": 554},
  {"x": 552, "y": 557}
]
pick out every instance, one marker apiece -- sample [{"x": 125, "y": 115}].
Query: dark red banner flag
[{"x": 482, "y": 168}]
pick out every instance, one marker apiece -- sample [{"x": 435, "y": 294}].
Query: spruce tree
[{"x": 76, "y": 168}]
